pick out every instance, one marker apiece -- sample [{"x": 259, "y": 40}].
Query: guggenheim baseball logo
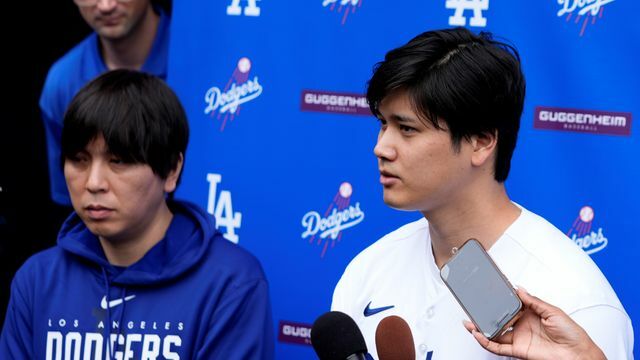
[
  {"x": 585, "y": 121},
  {"x": 333, "y": 102},
  {"x": 584, "y": 235},
  {"x": 582, "y": 12},
  {"x": 240, "y": 89},
  {"x": 294, "y": 332},
  {"x": 326, "y": 230}
]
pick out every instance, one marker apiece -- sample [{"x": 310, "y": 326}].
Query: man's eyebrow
[{"x": 402, "y": 118}]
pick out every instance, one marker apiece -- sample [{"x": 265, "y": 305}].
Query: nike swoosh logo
[
  {"x": 114, "y": 303},
  {"x": 368, "y": 311}
]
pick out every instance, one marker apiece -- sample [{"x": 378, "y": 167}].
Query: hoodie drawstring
[
  {"x": 108, "y": 325},
  {"x": 109, "y": 348},
  {"x": 124, "y": 304}
]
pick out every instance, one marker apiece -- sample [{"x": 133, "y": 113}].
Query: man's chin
[
  {"x": 397, "y": 204},
  {"x": 101, "y": 230},
  {"x": 112, "y": 33}
]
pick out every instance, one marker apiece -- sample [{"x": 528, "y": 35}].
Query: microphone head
[
  {"x": 394, "y": 340},
  {"x": 335, "y": 336}
]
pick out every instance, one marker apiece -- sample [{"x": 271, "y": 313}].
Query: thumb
[{"x": 539, "y": 307}]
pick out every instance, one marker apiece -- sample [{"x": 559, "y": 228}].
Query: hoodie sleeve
[
  {"x": 17, "y": 332},
  {"x": 51, "y": 112},
  {"x": 241, "y": 327}
]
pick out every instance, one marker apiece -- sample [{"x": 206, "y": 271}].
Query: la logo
[
  {"x": 251, "y": 9},
  {"x": 222, "y": 209}
]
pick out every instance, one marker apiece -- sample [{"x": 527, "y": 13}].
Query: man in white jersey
[{"x": 449, "y": 104}]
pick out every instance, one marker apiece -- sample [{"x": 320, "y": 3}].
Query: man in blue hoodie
[
  {"x": 135, "y": 275},
  {"x": 127, "y": 34}
]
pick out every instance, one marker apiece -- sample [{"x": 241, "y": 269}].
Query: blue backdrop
[{"x": 281, "y": 145}]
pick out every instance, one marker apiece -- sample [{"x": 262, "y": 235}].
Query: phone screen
[{"x": 481, "y": 289}]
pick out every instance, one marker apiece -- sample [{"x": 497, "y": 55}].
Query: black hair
[
  {"x": 165, "y": 5},
  {"x": 470, "y": 82},
  {"x": 139, "y": 116}
]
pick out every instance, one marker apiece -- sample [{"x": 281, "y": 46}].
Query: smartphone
[{"x": 481, "y": 289}]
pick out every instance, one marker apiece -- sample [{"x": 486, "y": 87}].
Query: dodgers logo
[
  {"x": 460, "y": 6},
  {"x": 584, "y": 235},
  {"x": 240, "y": 89},
  {"x": 339, "y": 216},
  {"x": 349, "y": 6},
  {"x": 586, "y": 11}
]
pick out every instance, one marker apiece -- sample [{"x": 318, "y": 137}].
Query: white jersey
[{"x": 397, "y": 275}]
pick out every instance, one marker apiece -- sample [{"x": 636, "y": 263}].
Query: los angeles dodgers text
[
  {"x": 142, "y": 325},
  {"x": 67, "y": 337}
]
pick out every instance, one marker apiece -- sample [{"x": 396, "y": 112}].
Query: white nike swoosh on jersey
[{"x": 114, "y": 303}]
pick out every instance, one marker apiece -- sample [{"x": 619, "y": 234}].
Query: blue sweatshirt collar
[{"x": 185, "y": 243}]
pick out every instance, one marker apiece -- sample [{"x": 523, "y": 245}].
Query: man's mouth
[
  {"x": 387, "y": 178},
  {"x": 98, "y": 212}
]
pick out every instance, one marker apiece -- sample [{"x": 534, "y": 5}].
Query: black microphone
[
  {"x": 394, "y": 340},
  {"x": 335, "y": 336}
]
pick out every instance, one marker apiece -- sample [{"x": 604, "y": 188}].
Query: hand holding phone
[
  {"x": 481, "y": 289},
  {"x": 542, "y": 332}
]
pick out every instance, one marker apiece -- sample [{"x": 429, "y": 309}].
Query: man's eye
[
  {"x": 407, "y": 129},
  {"x": 77, "y": 158},
  {"x": 116, "y": 161}
]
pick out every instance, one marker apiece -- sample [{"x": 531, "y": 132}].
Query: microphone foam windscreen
[
  {"x": 394, "y": 340},
  {"x": 335, "y": 336}
]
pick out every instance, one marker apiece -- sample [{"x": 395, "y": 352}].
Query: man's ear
[
  {"x": 171, "y": 182},
  {"x": 484, "y": 147}
]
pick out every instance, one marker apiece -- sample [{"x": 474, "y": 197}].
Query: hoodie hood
[{"x": 185, "y": 243}]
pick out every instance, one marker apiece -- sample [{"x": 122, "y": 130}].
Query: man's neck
[
  {"x": 131, "y": 52},
  {"x": 483, "y": 215},
  {"x": 126, "y": 252}
]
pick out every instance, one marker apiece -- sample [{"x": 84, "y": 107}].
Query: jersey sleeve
[
  {"x": 609, "y": 327},
  {"x": 339, "y": 303},
  {"x": 344, "y": 292},
  {"x": 52, "y": 113},
  {"x": 241, "y": 327}
]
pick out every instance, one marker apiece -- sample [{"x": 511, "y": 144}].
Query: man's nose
[
  {"x": 106, "y": 5},
  {"x": 97, "y": 178},
  {"x": 384, "y": 149}
]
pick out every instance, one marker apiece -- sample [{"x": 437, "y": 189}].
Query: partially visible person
[
  {"x": 543, "y": 332},
  {"x": 128, "y": 34},
  {"x": 449, "y": 104},
  {"x": 135, "y": 275}
]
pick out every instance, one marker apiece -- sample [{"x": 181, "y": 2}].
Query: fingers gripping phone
[{"x": 481, "y": 289}]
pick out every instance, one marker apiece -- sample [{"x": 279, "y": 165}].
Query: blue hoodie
[{"x": 194, "y": 295}]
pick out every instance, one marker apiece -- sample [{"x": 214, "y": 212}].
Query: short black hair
[
  {"x": 470, "y": 82},
  {"x": 139, "y": 116}
]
